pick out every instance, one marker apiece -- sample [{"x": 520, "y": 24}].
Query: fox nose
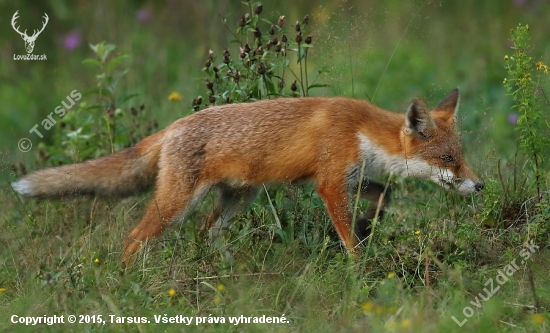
[{"x": 478, "y": 186}]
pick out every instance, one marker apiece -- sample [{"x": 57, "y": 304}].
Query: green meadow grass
[{"x": 430, "y": 257}]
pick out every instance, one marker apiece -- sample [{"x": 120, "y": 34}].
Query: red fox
[{"x": 236, "y": 148}]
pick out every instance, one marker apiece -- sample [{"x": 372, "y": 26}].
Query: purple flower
[
  {"x": 144, "y": 15},
  {"x": 513, "y": 118},
  {"x": 72, "y": 40}
]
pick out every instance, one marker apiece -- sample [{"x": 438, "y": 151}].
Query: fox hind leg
[{"x": 171, "y": 203}]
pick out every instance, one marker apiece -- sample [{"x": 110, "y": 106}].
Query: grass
[{"x": 430, "y": 256}]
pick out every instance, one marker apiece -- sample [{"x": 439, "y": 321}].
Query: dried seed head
[
  {"x": 226, "y": 60},
  {"x": 237, "y": 76},
  {"x": 278, "y": 47},
  {"x": 298, "y": 26},
  {"x": 246, "y": 48},
  {"x": 226, "y": 53},
  {"x": 215, "y": 69},
  {"x": 259, "y": 51},
  {"x": 308, "y": 39},
  {"x": 199, "y": 100},
  {"x": 209, "y": 85},
  {"x": 208, "y": 63},
  {"x": 242, "y": 53},
  {"x": 210, "y": 54},
  {"x": 211, "y": 99},
  {"x": 293, "y": 86},
  {"x": 305, "y": 20},
  {"x": 281, "y": 21},
  {"x": 246, "y": 17},
  {"x": 242, "y": 22},
  {"x": 284, "y": 39},
  {"x": 271, "y": 30},
  {"x": 299, "y": 37},
  {"x": 261, "y": 68},
  {"x": 258, "y": 9}
]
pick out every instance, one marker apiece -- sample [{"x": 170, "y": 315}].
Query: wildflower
[
  {"x": 406, "y": 323},
  {"x": 367, "y": 306},
  {"x": 513, "y": 118},
  {"x": 417, "y": 232},
  {"x": 542, "y": 67},
  {"x": 72, "y": 40},
  {"x": 2, "y": 290},
  {"x": 379, "y": 310},
  {"x": 97, "y": 261},
  {"x": 174, "y": 96},
  {"x": 538, "y": 318},
  {"x": 391, "y": 275},
  {"x": 506, "y": 58},
  {"x": 220, "y": 287},
  {"x": 505, "y": 80},
  {"x": 172, "y": 292},
  {"x": 216, "y": 300},
  {"x": 143, "y": 15}
]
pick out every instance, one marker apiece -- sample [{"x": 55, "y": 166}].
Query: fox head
[{"x": 432, "y": 146}]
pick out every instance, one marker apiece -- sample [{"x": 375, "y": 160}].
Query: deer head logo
[{"x": 29, "y": 40}]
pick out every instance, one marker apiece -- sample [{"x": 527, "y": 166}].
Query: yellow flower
[
  {"x": 538, "y": 318},
  {"x": 97, "y": 260},
  {"x": 391, "y": 275},
  {"x": 175, "y": 96},
  {"x": 367, "y": 306},
  {"x": 220, "y": 287},
  {"x": 406, "y": 323},
  {"x": 216, "y": 300},
  {"x": 506, "y": 57},
  {"x": 171, "y": 292},
  {"x": 417, "y": 232},
  {"x": 542, "y": 67},
  {"x": 2, "y": 290}
]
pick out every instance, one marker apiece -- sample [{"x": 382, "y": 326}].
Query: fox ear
[
  {"x": 447, "y": 109},
  {"x": 418, "y": 120}
]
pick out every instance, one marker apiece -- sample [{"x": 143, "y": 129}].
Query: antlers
[{"x": 24, "y": 34}]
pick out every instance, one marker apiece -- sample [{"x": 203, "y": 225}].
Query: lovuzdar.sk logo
[{"x": 29, "y": 40}]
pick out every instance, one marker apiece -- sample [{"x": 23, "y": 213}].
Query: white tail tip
[{"x": 22, "y": 186}]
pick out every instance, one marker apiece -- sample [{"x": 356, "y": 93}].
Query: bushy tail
[{"x": 123, "y": 173}]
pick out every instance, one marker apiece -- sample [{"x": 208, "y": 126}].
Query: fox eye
[{"x": 447, "y": 158}]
